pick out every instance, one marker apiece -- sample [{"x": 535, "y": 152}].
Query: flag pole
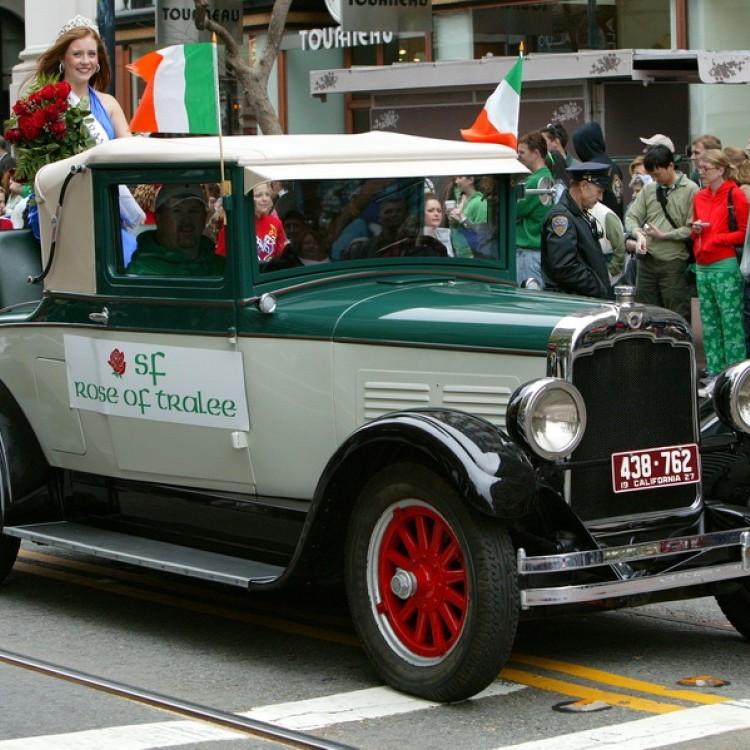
[{"x": 225, "y": 187}]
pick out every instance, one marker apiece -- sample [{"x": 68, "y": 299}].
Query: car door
[{"x": 160, "y": 361}]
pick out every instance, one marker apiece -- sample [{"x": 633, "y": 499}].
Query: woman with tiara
[{"x": 79, "y": 57}]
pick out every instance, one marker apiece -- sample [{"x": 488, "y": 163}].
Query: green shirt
[
  {"x": 531, "y": 213},
  {"x": 646, "y": 208},
  {"x": 475, "y": 212},
  {"x": 154, "y": 259}
]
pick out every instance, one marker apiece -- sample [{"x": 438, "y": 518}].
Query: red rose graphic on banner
[{"x": 117, "y": 363}]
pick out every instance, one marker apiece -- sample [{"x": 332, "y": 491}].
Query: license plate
[{"x": 655, "y": 467}]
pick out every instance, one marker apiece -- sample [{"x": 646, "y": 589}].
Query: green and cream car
[{"x": 458, "y": 451}]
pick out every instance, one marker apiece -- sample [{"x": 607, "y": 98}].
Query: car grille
[{"x": 638, "y": 394}]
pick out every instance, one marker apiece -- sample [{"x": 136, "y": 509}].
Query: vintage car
[{"x": 394, "y": 413}]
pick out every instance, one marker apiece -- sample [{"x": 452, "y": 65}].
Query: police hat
[{"x": 591, "y": 171}]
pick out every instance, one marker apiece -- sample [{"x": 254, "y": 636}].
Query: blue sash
[{"x": 99, "y": 111}]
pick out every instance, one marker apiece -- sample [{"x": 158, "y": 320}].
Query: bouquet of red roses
[{"x": 45, "y": 128}]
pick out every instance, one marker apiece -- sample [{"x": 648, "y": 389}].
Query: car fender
[{"x": 490, "y": 472}]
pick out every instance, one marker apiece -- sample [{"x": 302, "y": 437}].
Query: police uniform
[{"x": 572, "y": 259}]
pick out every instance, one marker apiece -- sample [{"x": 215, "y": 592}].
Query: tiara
[{"x": 77, "y": 22}]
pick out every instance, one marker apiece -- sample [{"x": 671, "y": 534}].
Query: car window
[
  {"x": 303, "y": 223},
  {"x": 170, "y": 230}
]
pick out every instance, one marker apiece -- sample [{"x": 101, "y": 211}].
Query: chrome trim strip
[
  {"x": 583, "y": 332},
  {"x": 643, "y": 551},
  {"x": 609, "y": 589}
]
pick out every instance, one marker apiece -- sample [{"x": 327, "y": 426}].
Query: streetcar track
[
  {"x": 194, "y": 711},
  {"x": 58, "y": 568}
]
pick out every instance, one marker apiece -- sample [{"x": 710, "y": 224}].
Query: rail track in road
[
  {"x": 212, "y": 716},
  {"x": 362, "y": 704}
]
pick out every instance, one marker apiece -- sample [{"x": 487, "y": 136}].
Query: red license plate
[{"x": 655, "y": 467}]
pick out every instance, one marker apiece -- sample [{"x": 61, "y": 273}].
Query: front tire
[
  {"x": 736, "y": 607},
  {"x": 431, "y": 585}
]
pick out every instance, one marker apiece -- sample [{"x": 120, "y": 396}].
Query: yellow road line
[
  {"x": 214, "y": 594},
  {"x": 582, "y": 692},
  {"x": 607, "y": 678},
  {"x": 173, "y": 601},
  {"x": 509, "y": 673}
]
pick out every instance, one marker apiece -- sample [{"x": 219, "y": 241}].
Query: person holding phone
[{"x": 720, "y": 214}]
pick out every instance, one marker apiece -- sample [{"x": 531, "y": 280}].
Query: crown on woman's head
[{"x": 78, "y": 21}]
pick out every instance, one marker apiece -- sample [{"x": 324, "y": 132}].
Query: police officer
[{"x": 572, "y": 259}]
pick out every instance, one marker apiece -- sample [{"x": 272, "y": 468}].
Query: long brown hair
[
  {"x": 48, "y": 63},
  {"x": 741, "y": 162}
]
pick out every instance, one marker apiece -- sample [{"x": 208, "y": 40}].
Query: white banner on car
[{"x": 161, "y": 383}]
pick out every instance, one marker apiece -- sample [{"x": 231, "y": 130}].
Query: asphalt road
[{"x": 291, "y": 659}]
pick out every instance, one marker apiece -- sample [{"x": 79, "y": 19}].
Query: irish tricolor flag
[
  {"x": 498, "y": 121},
  {"x": 181, "y": 93}
]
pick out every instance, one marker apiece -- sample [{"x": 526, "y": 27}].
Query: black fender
[
  {"x": 489, "y": 471},
  {"x": 25, "y": 475},
  {"x": 725, "y": 459},
  {"x": 723, "y": 517}
]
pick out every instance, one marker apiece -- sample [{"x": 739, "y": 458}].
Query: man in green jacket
[
  {"x": 532, "y": 209},
  {"x": 177, "y": 247}
]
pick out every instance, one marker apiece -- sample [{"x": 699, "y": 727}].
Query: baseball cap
[
  {"x": 659, "y": 139},
  {"x": 591, "y": 171},
  {"x": 176, "y": 193}
]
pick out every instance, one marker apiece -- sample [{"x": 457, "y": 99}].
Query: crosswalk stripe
[
  {"x": 315, "y": 713},
  {"x": 653, "y": 732}
]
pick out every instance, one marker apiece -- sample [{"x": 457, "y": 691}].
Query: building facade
[{"x": 637, "y": 66}]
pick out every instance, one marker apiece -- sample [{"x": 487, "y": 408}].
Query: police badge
[{"x": 559, "y": 225}]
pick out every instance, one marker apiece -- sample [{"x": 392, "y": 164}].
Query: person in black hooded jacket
[{"x": 589, "y": 144}]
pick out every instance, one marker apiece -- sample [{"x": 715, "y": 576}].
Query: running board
[{"x": 149, "y": 553}]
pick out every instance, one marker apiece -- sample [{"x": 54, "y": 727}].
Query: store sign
[
  {"x": 175, "y": 22},
  {"x": 337, "y": 38},
  {"x": 163, "y": 383},
  {"x": 386, "y": 15}
]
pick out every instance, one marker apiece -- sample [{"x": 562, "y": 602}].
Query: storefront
[{"x": 637, "y": 66}]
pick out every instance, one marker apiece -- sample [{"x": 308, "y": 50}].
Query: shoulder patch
[
  {"x": 617, "y": 186},
  {"x": 559, "y": 225}
]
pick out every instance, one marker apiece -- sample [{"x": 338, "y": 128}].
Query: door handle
[{"x": 100, "y": 317}]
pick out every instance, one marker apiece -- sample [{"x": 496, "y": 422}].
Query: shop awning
[{"x": 648, "y": 66}]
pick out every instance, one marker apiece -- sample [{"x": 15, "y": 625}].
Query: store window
[
  {"x": 548, "y": 27},
  {"x": 407, "y": 48}
]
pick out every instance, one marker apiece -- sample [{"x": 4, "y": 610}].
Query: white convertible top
[{"x": 286, "y": 157}]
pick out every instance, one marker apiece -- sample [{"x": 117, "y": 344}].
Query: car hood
[{"x": 412, "y": 309}]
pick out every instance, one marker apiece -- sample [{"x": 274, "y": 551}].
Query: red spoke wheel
[
  {"x": 420, "y": 581},
  {"x": 431, "y": 585}
]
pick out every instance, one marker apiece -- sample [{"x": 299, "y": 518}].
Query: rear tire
[
  {"x": 8, "y": 554},
  {"x": 431, "y": 584}
]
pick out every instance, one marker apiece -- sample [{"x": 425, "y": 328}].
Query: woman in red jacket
[{"x": 720, "y": 283}]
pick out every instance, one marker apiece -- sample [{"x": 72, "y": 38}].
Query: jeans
[{"x": 529, "y": 265}]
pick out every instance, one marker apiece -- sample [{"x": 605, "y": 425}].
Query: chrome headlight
[
  {"x": 547, "y": 416},
  {"x": 731, "y": 396}
]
